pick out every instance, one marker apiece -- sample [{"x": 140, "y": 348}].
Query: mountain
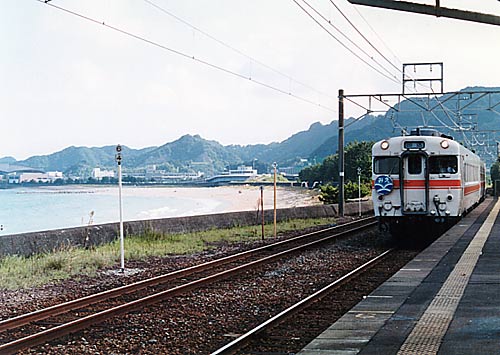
[
  {"x": 80, "y": 160},
  {"x": 189, "y": 153},
  {"x": 474, "y": 126},
  {"x": 370, "y": 128},
  {"x": 193, "y": 153},
  {"x": 299, "y": 145},
  {"x": 7, "y": 160}
]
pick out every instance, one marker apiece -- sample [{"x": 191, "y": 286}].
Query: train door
[{"x": 414, "y": 183}]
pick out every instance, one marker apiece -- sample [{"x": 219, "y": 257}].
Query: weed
[{"x": 18, "y": 272}]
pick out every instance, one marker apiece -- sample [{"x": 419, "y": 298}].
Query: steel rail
[
  {"x": 65, "y": 307},
  {"x": 85, "y": 322},
  {"x": 237, "y": 344}
]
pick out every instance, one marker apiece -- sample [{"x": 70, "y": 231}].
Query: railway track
[
  {"x": 67, "y": 316},
  {"x": 253, "y": 335}
]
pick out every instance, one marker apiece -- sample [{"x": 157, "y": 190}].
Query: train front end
[{"x": 416, "y": 181}]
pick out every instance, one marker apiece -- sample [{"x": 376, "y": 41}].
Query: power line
[
  {"x": 376, "y": 34},
  {"x": 347, "y": 37},
  {"x": 372, "y": 45},
  {"x": 342, "y": 44},
  {"x": 182, "y": 54},
  {"x": 366, "y": 39},
  {"x": 169, "y": 13}
]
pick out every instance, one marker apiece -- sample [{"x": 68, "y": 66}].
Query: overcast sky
[{"x": 67, "y": 81}]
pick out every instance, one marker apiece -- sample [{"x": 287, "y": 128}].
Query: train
[{"x": 424, "y": 180}]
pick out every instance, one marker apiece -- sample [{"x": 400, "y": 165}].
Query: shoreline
[{"x": 54, "y": 207}]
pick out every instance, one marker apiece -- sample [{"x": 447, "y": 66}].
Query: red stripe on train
[
  {"x": 433, "y": 184},
  {"x": 436, "y": 184}
]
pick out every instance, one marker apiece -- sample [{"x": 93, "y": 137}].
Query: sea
[{"x": 24, "y": 209}]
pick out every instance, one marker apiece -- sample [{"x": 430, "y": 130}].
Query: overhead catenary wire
[
  {"x": 364, "y": 37},
  {"x": 378, "y": 36},
  {"x": 373, "y": 46},
  {"x": 445, "y": 110},
  {"x": 236, "y": 50},
  {"x": 349, "y": 39},
  {"x": 187, "y": 56},
  {"x": 343, "y": 44}
]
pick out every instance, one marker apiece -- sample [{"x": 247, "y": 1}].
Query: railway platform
[{"x": 445, "y": 301}]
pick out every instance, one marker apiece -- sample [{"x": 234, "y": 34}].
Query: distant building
[
  {"x": 33, "y": 177},
  {"x": 48, "y": 177},
  {"x": 13, "y": 178},
  {"x": 54, "y": 175},
  {"x": 161, "y": 176},
  {"x": 291, "y": 172},
  {"x": 99, "y": 174},
  {"x": 243, "y": 173},
  {"x": 16, "y": 174}
]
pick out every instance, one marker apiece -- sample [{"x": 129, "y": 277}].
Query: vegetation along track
[{"x": 66, "y": 318}]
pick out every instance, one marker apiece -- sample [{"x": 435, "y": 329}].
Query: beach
[{"x": 54, "y": 207}]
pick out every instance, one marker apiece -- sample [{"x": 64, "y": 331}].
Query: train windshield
[
  {"x": 386, "y": 165},
  {"x": 443, "y": 164},
  {"x": 415, "y": 164}
]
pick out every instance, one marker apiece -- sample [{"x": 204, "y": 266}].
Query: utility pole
[{"x": 341, "y": 152}]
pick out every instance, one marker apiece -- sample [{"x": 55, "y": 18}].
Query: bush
[{"x": 330, "y": 194}]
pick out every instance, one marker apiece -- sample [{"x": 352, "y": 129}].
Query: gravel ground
[
  {"x": 201, "y": 321},
  {"x": 26, "y": 300}
]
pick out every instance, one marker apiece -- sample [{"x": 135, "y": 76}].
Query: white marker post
[
  {"x": 275, "y": 165},
  {"x": 359, "y": 190},
  {"x": 122, "y": 246}
]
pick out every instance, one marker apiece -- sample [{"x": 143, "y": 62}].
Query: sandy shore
[
  {"x": 232, "y": 198},
  {"x": 70, "y": 205}
]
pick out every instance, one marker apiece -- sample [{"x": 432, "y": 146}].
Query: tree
[
  {"x": 311, "y": 173},
  {"x": 495, "y": 170},
  {"x": 357, "y": 155}
]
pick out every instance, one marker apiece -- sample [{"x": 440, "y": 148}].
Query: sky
[{"x": 262, "y": 69}]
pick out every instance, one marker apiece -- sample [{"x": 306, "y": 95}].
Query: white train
[{"x": 423, "y": 179}]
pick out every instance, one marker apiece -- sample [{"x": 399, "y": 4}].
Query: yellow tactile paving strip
[{"x": 426, "y": 337}]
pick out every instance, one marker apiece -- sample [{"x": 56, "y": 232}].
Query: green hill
[{"x": 193, "y": 153}]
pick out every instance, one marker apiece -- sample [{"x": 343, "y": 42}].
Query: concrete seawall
[{"x": 27, "y": 244}]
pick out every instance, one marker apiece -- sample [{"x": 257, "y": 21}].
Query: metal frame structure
[
  {"x": 436, "y": 10},
  {"x": 427, "y": 101},
  {"x": 407, "y": 78}
]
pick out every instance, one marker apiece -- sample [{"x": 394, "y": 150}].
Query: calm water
[{"x": 37, "y": 209}]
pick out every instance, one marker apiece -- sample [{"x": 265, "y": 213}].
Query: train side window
[
  {"x": 443, "y": 164},
  {"x": 386, "y": 165},
  {"x": 414, "y": 164}
]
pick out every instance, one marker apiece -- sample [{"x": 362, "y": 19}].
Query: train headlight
[
  {"x": 384, "y": 145},
  {"x": 445, "y": 144}
]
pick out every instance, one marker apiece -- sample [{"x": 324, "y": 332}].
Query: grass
[{"x": 18, "y": 272}]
